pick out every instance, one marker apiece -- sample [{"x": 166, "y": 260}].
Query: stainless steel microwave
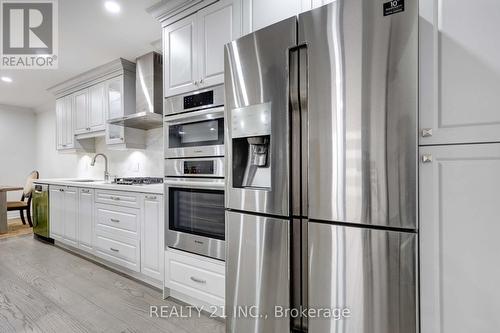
[{"x": 194, "y": 124}]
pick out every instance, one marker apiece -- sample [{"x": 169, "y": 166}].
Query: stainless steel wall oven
[{"x": 194, "y": 173}]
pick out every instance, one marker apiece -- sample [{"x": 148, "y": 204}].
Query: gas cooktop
[{"x": 138, "y": 181}]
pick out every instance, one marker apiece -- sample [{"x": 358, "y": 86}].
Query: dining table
[{"x": 3, "y": 206}]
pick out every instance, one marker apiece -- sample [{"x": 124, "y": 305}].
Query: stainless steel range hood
[{"x": 148, "y": 89}]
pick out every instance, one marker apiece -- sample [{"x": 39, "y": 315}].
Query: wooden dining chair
[{"x": 25, "y": 203}]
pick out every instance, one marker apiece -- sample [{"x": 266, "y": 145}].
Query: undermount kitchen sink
[{"x": 85, "y": 181}]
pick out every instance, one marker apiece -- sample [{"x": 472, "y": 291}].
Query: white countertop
[{"x": 99, "y": 184}]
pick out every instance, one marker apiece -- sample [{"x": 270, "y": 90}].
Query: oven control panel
[
  {"x": 199, "y": 168},
  {"x": 206, "y": 167}
]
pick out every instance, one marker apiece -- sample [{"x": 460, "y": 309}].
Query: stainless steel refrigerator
[{"x": 321, "y": 151}]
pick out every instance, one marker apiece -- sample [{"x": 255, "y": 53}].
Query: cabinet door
[
  {"x": 68, "y": 122},
  {"x": 258, "y": 14},
  {"x": 114, "y": 106},
  {"x": 218, "y": 24},
  {"x": 114, "y": 98},
  {"x": 459, "y": 195},
  {"x": 152, "y": 237},
  {"x": 97, "y": 118},
  {"x": 60, "y": 126},
  {"x": 180, "y": 50},
  {"x": 71, "y": 216},
  {"x": 81, "y": 100},
  {"x": 56, "y": 212},
  {"x": 85, "y": 218},
  {"x": 459, "y": 72},
  {"x": 311, "y": 4}
]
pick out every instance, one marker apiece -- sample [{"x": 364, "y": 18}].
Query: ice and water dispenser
[{"x": 251, "y": 140}]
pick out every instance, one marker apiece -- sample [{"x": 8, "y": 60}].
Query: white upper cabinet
[
  {"x": 258, "y": 14},
  {"x": 86, "y": 102},
  {"x": 97, "y": 109},
  {"x": 119, "y": 95},
  {"x": 81, "y": 103},
  {"x": 459, "y": 228},
  {"x": 65, "y": 132},
  {"x": 459, "y": 72},
  {"x": 60, "y": 127},
  {"x": 114, "y": 91},
  {"x": 194, "y": 47},
  {"x": 114, "y": 99},
  {"x": 89, "y": 109},
  {"x": 180, "y": 56},
  {"x": 218, "y": 25}
]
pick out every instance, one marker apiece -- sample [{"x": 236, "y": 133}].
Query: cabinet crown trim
[
  {"x": 89, "y": 78},
  {"x": 169, "y": 11}
]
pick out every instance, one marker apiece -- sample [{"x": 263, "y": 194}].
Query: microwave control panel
[{"x": 197, "y": 100}]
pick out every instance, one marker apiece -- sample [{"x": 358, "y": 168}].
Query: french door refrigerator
[{"x": 321, "y": 151}]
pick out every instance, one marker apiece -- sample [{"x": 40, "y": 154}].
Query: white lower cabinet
[
  {"x": 85, "y": 218},
  {"x": 195, "y": 276},
  {"x": 118, "y": 249},
  {"x": 70, "y": 221},
  {"x": 120, "y": 227},
  {"x": 117, "y": 234},
  {"x": 56, "y": 212},
  {"x": 459, "y": 215},
  {"x": 152, "y": 237},
  {"x": 64, "y": 214}
]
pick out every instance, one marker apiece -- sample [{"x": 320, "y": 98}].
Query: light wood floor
[
  {"x": 17, "y": 228},
  {"x": 46, "y": 289}
]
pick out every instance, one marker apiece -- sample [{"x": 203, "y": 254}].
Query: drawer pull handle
[
  {"x": 150, "y": 197},
  {"x": 115, "y": 220},
  {"x": 115, "y": 198},
  {"x": 114, "y": 250},
  {"x": 198, "y": 280}
]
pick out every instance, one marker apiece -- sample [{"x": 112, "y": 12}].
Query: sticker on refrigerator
[{"x": 394, "y": 7}]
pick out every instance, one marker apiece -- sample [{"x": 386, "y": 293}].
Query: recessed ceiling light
[
  {"x": 112, "y": 7},
  {"x": 6, "y": 79}
]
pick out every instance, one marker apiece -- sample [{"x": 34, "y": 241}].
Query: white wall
[
  {"x": 122, "y": 163},
  {"x": 17, "y": 147}
]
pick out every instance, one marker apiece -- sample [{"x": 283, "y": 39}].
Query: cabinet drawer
[
  {"x": 122, "y": 218},
  {"x": 196, "y": 276},
  {"x": 119, "y": 198},
  {"x": 121, "y": 251}
]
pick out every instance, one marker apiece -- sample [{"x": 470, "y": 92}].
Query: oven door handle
[
  {"x": 178, "y": 182},
  {"x": 209, "y": 114}
]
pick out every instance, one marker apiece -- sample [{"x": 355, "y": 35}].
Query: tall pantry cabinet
[{"x": 459, "y": 170}]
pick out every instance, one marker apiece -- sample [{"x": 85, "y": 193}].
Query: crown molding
[
  {"x": 89, "y": 78},
  {"x": 169, "y": 11}
]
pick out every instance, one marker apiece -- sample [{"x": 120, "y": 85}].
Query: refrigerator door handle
[
  {"x": 298, "y": 94},
  {"x": 295, "y": 132},
  {"x": 304, "y": 124}
]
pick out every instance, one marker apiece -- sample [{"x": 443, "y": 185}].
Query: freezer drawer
[
  {"x": 257, "y": 272},
  {"x": 370, "y": 272}
]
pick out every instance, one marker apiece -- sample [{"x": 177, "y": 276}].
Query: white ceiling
[{"x": 89, "y": 36}]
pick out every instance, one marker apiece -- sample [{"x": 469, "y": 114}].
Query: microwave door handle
[{"x": 209, "y": 114}]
